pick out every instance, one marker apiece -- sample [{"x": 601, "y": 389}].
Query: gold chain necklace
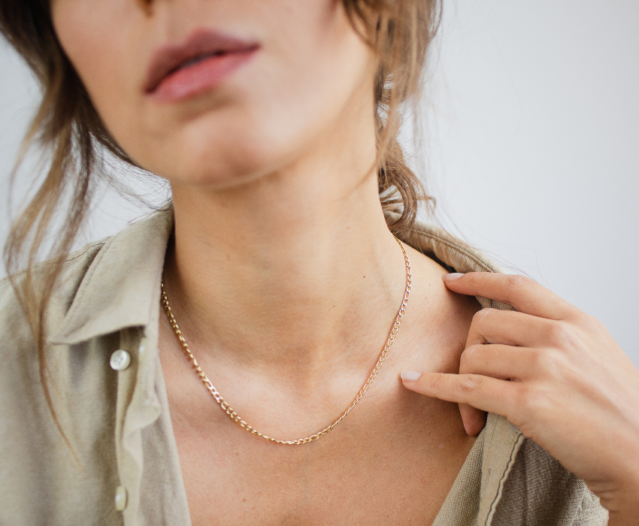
[{"x": 315, "y": 436}]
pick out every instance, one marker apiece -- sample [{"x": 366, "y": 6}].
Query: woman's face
[{"x": 258, "y": 82}]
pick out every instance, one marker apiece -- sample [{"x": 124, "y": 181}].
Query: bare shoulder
[{"x": 438, "y": 320}]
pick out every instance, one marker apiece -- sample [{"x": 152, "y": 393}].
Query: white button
[
  {"x": 120, "y": 360},
  {"x": 120, "y": 498}
]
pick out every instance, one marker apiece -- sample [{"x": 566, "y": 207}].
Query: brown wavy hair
[{"x": 68, "y": 128}]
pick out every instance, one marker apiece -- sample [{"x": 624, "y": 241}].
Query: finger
[
  {"x": 500, "y": 361},
  {"x": 508, "y": 328},
  {"x": 524, "y": 294},
  {"x": 473, "y": 419},
  {"x": 481, "y": 392}
]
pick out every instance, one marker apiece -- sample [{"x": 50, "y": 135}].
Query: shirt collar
[{"x": 122, "y": 284}]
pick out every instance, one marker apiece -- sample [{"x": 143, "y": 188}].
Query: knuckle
[
  {"x": 547, "y": 362},
  {"x": 563, "y": 336},
  {"x": 434, "y": 382},
  {"x": 468, "y": 384},
  {"x": 533, "y": 401},
  {"x": 482, "y": 314},
  {"x": 469, "y": 356},
  {"x": 555, "y": 333},
  {"x": 587, "y": 322},
  {"x": 439, "y": 383},
  {"x": 518, "y": 281},
  {"x": 538, "y": 359}
]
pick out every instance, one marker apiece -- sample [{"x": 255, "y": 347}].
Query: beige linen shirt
[{"x": 124, "y": 468}]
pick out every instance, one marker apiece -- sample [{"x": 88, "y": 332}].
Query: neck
[{"x": 293, "y": 271}]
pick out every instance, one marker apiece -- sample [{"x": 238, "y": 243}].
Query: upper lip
[{"x": 167, "y": 58}]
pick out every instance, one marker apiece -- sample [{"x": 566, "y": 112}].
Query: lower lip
[{"x": 200, "y": 77}]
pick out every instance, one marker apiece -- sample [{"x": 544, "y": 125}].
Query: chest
[
  {"x": 392, "y": 460},
  {"x": 387, "y": 473}
]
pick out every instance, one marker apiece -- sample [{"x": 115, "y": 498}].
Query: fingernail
[
  {"x": 451, "y": 277},
  {"x": 410, "y": 376}
]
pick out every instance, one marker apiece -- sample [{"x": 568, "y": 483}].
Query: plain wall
[{"x": 531, "y": 145}]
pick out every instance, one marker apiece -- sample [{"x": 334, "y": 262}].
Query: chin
[
  {"x": 216, "y": 170},
  {"x": 224, "y": 154},
  {"x": 222, "y": 164}
]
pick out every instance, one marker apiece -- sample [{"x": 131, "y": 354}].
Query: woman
[{"x": 273, "y": 283}]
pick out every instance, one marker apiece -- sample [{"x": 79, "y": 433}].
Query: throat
[
  {"x": 329, "y": 427},
  {"x": 285, "y": 311}
]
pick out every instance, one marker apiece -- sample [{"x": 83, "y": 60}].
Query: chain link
[{"x": 315, "y": 436}]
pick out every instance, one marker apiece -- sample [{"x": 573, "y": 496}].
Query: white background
[{"x": 531, "y": 145}]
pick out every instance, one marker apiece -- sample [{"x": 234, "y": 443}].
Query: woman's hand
[{"x": 557, "y": 374}]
